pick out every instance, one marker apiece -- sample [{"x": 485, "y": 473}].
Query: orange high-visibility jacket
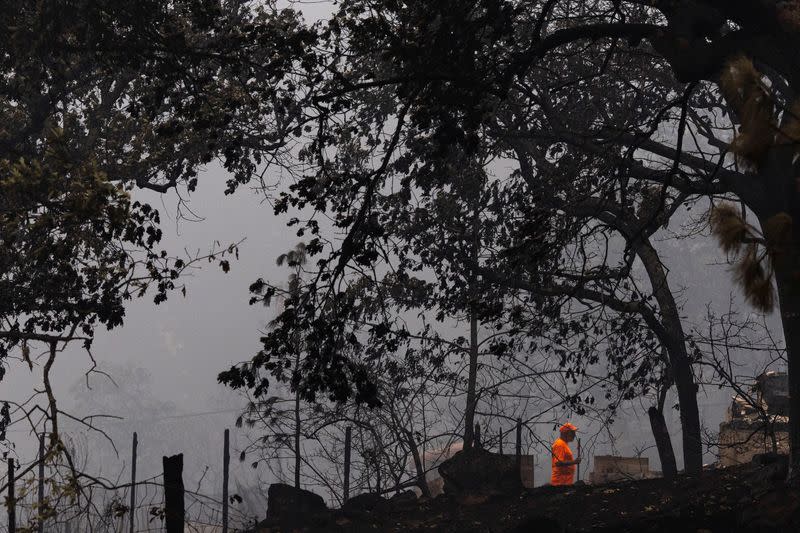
[{"x": 562, "y": 475}]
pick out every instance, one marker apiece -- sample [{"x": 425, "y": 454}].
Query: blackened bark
[
  {"x": 672, "y": 337},
  {"x": 690, "y": 414},
  {"x": 786, "y": 274},
  {"x": 778, "y": 176},
  {"x": 174, "y": 509},
  {"x": 666, "y": 454}
]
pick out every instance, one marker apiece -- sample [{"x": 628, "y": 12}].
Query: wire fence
[
  {"x": 57, "y": 502},
  {"x": 52, "y": 499}
]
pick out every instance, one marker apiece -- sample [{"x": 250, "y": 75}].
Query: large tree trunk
[
  {"x": 778, "y": 176},
  {"x": 673, "y": 339},
  {"x": 690, "y": 414},
  {"x": 658, "y": 424},
  {"x": 666, "y": 454},
  {"x": 787, "y": 270}
]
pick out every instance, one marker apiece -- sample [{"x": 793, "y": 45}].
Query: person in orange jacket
[{"x": 563, "y": 462}]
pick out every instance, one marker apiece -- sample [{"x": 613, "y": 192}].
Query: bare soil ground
[{"x": 751, "y": 498}]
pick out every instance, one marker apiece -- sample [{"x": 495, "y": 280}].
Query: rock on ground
[{"x": 475, "y": 475}]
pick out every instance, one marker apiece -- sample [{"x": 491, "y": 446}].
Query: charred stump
[{"x": 174, "y": 508}]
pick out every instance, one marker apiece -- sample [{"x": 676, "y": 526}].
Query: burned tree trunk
[
  {"x": 669, "y": 330},
  {"x": 174, "y": 509},
  {"x": 778, "y": 175},
  {"x": 787, "y": 273},
  {"x": 658, "y": 425},
  {"x": 663, "y": 443}
]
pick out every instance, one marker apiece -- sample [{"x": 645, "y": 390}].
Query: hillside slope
[{"x": 750, "y": 498}]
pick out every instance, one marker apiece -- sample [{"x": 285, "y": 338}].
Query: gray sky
[{"x": 185, "y": 342}]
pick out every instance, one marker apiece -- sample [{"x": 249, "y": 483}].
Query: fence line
[
  {"x": 12, "y": 502},
  {"x": 226, "y": 460},
  {"x": 138, "y": 506},
  {"x": 134, "y": 447}
]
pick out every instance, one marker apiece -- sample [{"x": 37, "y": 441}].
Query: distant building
[
  {"x": 750, "y": 424},
  {"x": 611, "y": 468}
]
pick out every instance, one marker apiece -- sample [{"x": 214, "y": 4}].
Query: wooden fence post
[
  {"x": 346, "y": 464},
  {"x": 519, "y": 446},
  {"x": 501, "y": 441},
  {"x": 226, "y": 460},
  {"x": 173, "y": 493},
  {"x": 41, "y": 483},
  {"x": 132, "y": 509},
  {"x": 12, "y": 504}
]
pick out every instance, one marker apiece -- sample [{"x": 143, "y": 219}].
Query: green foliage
[
  {"x": 149, "y": 90},
  {"x": 68, "y": 238},
  {"x": 413, "y": 105},
  {"x": 100, "y": 98}
]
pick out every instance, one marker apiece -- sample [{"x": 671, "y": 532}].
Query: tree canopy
[
  {"x": 621, "y": 112},
  {"x": 490, "y": 159}
]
